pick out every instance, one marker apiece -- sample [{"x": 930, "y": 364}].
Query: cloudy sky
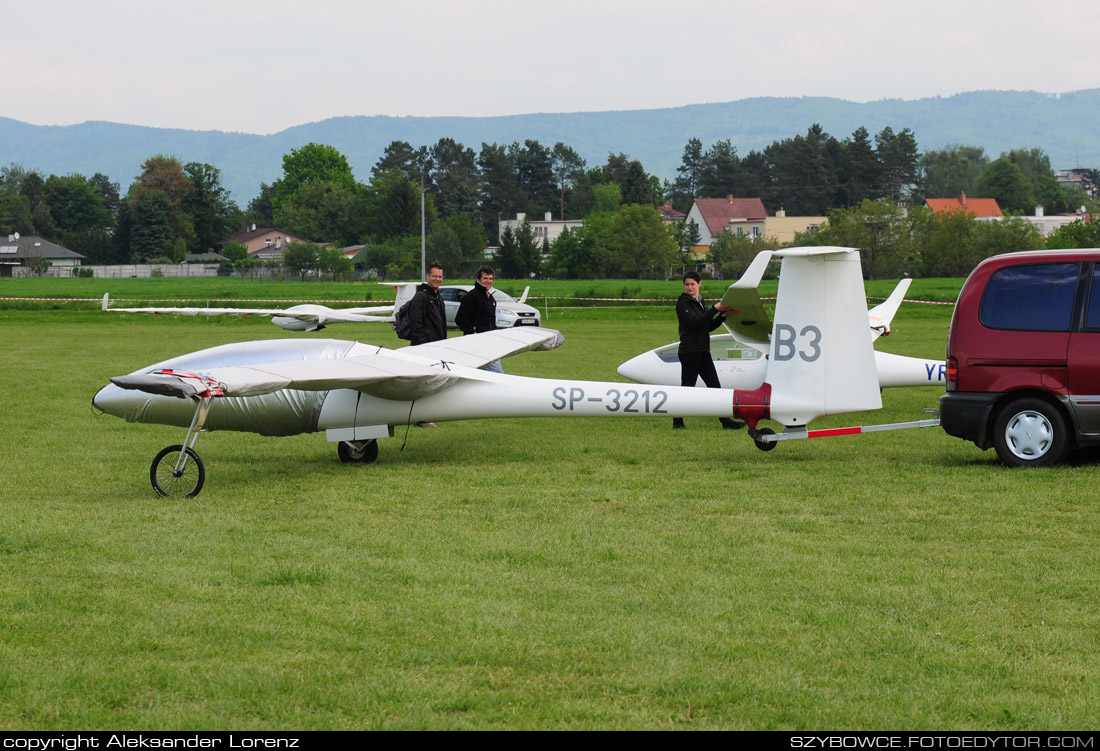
[{"x": 260, "y": 66}]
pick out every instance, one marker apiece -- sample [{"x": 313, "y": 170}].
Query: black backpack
[{"x": 401, "y": 323}]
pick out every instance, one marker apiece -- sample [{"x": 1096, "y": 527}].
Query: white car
[{"x": 510, "y": 311}]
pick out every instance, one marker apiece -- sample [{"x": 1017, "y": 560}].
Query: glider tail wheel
[
  {"x": 177, "y": 472},
  {"x": 365, "y": 452},
  {"x": 764, "y": 445}
]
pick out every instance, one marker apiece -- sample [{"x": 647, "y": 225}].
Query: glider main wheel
[
  {"x": 1030, "y": 432},
  {"x": 365, "y": 452},
  {"x": 765, "y": 445},
  {"x": 169, "y": 482}
]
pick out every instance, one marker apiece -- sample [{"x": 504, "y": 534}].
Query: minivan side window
[
  {"x": 1038, "y": 297},
  {"x": 1092, "y": 320}
]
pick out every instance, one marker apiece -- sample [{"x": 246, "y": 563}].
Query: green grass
[
  {"x": 229, "y": 290},
  {"x": 541, "y": 573}
]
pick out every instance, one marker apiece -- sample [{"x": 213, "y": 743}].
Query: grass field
[
  {"x": 214, "y": 291},
  {"x": 541, "y": 573}
]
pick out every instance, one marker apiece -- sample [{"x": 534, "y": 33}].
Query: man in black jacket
[
  {"x": 477, "y": 310},
  {"x": 696, "y": 323},
  {"x": 427, "y": 313}
]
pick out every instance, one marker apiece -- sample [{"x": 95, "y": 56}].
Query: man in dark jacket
[
  {"x": 427, "y": 313},
  {"x": 696, "y": 323},
  {"x": 477, "y": 310}
]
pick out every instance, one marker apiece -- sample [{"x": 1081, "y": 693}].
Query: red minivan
[{"x": 1023, "y": 356}]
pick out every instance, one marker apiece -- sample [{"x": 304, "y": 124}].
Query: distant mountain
[{"x": 1063, "y": 125}]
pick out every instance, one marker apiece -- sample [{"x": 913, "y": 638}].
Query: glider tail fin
[{"x": 821, "y": 361}]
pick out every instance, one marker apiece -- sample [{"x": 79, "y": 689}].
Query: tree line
[{"x": 173, "y": 208}]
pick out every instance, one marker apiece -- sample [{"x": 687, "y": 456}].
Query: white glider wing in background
[{"x": 306, "y": 317}]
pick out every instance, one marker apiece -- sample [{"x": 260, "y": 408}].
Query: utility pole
[{"x": 423, "y": 244}]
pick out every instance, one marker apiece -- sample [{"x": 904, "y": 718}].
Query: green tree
[
  {"x": 501, "y": 197},
  {"x": 453, "y": 177},
  {"x": 392, "y": 207},
  {"x": 261, "y": 212},
  {"x": 235, "y": 251},
  {"x": 731, "y": 254},
  {"x": 535, "y": 176},
  {"x": 719, "y": 172},
  {"x": 75, "y": 204},
  {"x": 301, "y": 258},
  {"x": 518, "y": 255},
  {"x": 568, "y": 168},
  {"x": 571, "y": 258},
  {"x": 331, "y": 262},
  {"x": 858, "y": 171},
  {"x": 457, "y": 242},
  {"x": 949, "y": 172},
  {"x": 1004, "y": 180},
  {"x": 689, "y": 176},
  {"x": 897, "y": 156},
  {"x": 637, "y": 188},
  {"x": 396, "y": 258},
  {"x": 149, "y": 215},
  {"x": 211, "y": 211},
  {"x": 176, "y": 250},
  {"x": 638, "y": 244},
  {"x": 880, "y": 230},
  {"x": 608, "y": 198},
  {"x": 313, "y": 162},
  {"x": 1078, "y": 234},
  {"x": 38, "y": 265},
  {"x": 401, "y": 156},
  {"x": 325, "y": 211}
]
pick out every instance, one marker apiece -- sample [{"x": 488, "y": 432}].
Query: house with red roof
[
  {"x": 670, "y": 214},
  {"x": 981, "y": 208},
  {"x": 741, "y": 216}
]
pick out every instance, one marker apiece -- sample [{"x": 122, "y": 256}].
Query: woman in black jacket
[{"x": 696, "y": 323}]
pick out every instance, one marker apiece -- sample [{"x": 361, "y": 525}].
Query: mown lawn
[{"x": 541, "y": 573}]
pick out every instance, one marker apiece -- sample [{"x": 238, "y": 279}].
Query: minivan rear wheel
[{"x": 1030, "y": 432}]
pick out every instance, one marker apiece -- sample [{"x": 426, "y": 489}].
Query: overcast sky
[{"x": 260, "y": 66}]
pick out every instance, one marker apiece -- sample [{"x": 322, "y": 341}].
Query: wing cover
[
  {"x": 478, "y": 350},
  {"x": 379, "y": 375}
]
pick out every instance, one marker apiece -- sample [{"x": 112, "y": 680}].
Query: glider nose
[
  {"x": 645, "y": 368},
  {"x": 114, "y": 401}
]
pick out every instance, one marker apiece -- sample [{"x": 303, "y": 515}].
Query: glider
[
  {"x": 740, "y": 354},
  {"x": 312, "y": 317}
]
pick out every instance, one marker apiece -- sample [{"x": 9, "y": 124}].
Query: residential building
[
  {"x": 1074, "y": 178},
  {"x": 670, "y": 215},
  {"x": 741, "y": 216},
  {"x": 545, "y": 229},
  {"x": 1049, "y": 224},
  {"x": 16, "y": 251},
  {"x": 263, "y": 243},
  {"x": 985, "y": 209},
  {"x": 783, "y": 228}
]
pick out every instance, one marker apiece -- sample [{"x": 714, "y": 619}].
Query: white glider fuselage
[
  {"x": 741, "y": 366},
  {"x": 474, "y": 394}
]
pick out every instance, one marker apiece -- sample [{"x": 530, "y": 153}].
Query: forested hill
[{"x": 1064, "y": 126}]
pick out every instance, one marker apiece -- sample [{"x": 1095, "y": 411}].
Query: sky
[{"x": 260, "y": 66}]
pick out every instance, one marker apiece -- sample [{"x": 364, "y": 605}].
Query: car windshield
[{"x": 502, "y": 296}]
